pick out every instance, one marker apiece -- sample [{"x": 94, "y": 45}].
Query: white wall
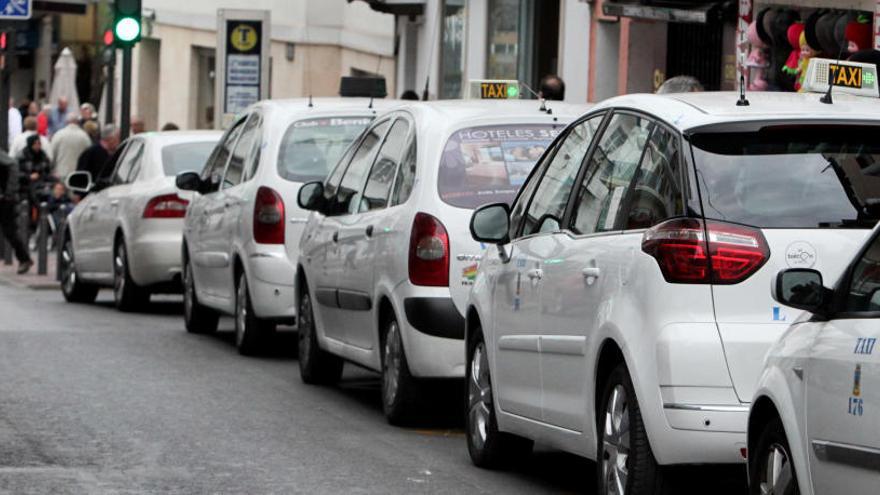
[{"x": 574, "y": 48}]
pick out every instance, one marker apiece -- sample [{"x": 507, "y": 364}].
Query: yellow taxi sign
[
  {"x": 488, "y": 89},
  {"x": 847, "y": 77}
]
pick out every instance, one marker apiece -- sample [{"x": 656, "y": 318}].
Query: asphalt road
[{"x": 96, "y": 401}]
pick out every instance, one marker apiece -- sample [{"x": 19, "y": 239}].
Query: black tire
[
  {"x": 251, "y": 332},
  {"x": 488, "y": 447},
  {"x": 127, "y": 295},
  {"x": 771, "y": 450},
  {"x": 316, "y": 366},
  {"x": 400, "y": 390},
  {"x": 642, "y": 475},
  {"x": 73, "y": 289},
  {"x": 198, "y": 318}
]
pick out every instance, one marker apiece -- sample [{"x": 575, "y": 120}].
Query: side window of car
[
  {"x": 385, "y": 167},
  {"x": 547, "y": 207},
  {"x": 656, "y": 191},
  {"x": 241, "y": 153},
  {"x": 253, "y": 160},
  {"x": 347, "y": 199},
  {"x": 136, "y": 163},
  {"x": 335, "y": 177},
  {"x": 406, "y": 175},
  {"x": 126, "y": 162},
  {"x": 609, "y": 173},
  {"x": 863, "y": 293},
  {"x": 213, "y": 172}
]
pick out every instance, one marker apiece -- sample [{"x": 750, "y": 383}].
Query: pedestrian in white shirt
[
  {"x": 14, "y": 121},
  {"x": 20, "y": 141},
  {"x": 68, "y": 143}
]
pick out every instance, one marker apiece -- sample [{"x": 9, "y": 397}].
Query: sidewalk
[{"x": 30, "y": 280}]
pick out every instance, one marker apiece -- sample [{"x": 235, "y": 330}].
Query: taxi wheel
[
  {"x": 73, "y": 289},
  {"x": 771, "y": 469},
  {"x": 198, "y": 318},
  {"x": 250, "y": 332},
  {"x": 126, "y": 294},
  {"x": 488, "y": 447},
  {"x": 399, "y": 387},
  {"x": 625, "y": 463},
  {"x": 316, "y": 366}
]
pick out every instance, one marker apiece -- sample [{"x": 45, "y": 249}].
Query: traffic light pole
[
  {"x": 125, "y": 113},
  {"x": 4, "y": 97},
  {"x": 111, "y": 87}
]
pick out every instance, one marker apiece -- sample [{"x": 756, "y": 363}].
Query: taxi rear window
[
  {"x": 488, "y": 164},
  {"x": 805, "y": 176},
  {"x": 311, "y": 147},
  {"x": 177, "y": 158}
]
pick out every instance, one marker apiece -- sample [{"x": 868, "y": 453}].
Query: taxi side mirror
[
  {"x": 311, "y": 196},
  {"x": 188, "y": 181},
  {"x": 802, "y": 289},
  {"x": 491, "y": 224},
  {"x": 79, "y": 182}
]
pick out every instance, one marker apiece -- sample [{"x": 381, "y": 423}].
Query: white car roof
[
  {"x": 686, "y": 111},
  {"x": 467, "y": 110},
  {"x": 299, "y": 107}
]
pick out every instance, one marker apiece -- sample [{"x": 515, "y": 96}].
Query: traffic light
[
  {"x": 3, "y": 44},
  {"x": 127, "y": 22}
]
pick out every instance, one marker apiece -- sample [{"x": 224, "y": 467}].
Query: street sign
[
  {"x": 15, "y": 10},
  {"x": 242, "y": 61}
]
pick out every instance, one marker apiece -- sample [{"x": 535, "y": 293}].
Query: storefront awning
[
  {"x": 397, "y": 7},
  {"x": 696, "y": 14}
]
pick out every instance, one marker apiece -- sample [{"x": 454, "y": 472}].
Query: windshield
[
  {"x": 310, "y": 148},
  {"x": 791, "y": 176},
  {"x": 482, "y": 165},
  {"x": 177, "y": 158}
]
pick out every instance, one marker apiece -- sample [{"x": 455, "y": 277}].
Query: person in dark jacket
[
  {"x": 36, "y": 170},
  {"x": 10, "y": 188},
  {"x": 94, "y": 158}
]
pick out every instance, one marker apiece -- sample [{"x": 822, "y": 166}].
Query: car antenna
[
  {"x": 310, "y": 102},
  {"x": 827, "y": 98},
  {"x": 544, "y": 107},
  {"x": 370, "y": 106},
  {"x": 743, "y": 101}
]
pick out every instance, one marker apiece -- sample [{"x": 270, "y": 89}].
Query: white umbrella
[{"x": 64, "y": 81}]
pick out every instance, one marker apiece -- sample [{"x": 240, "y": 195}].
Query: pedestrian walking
[
  {"x": 68, "y": 144},
  {"x": 87, "y": 113},
  {"x": 30, "y": 128},
  {"x": 94, "y": 158},
  {"x": 14, "y": 122},
  {"x": 58, "y": 116},
  {"x": 43, "y": 121},
  {"x": 36, "y": 170},
  {"x": 9, "y": 197},
  {"x": 552, "y": 88}
]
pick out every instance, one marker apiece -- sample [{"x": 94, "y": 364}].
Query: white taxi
[
  {"x": 242, "y": 228},
  {"x": 623, "y": 313},
  {"x": 387, "y": 259},
  {"x": 814, "y": 424}
]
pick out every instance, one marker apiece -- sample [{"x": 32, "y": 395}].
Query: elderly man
[
  {"x": 94, "y": 158},
  {"x": 552, "y": 88},
  {"x": 87, "y": 113},
  {"x": 20, "y": 141},
  {"x": 68, "y": 144},
  {"x": 58, "y": 116}
]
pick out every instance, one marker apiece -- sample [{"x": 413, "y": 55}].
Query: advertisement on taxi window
[{"x": 482, "y": 165}]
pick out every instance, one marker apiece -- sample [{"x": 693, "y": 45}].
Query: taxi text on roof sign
[
  {"x": 494, "y": 90},
  {"x": 847, "y": 77}
]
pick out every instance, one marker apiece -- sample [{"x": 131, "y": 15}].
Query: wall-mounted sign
[{"x": 242, "y": 61}]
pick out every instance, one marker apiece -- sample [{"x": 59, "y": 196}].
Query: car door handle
[
  {"x": 535, "y": 274},
  {"x": 369, "y": 231},
  {"x": 93, "y": 207},
  {"x": 114, "y": 203},
  {"x": 591, "y": 272},
  {"x": 336, "y": 236}
]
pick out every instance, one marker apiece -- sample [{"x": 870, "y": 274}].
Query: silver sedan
[{"x": 126, "y": 233}]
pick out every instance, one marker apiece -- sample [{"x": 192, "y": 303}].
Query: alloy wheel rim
[
  {"x": 241, "y": 311},
  {"x": 616, "y": 442},
  {"x": 479, "y": 397},
  {"x": 776, "y": 477},
  {"x": 305, "y": 329},
  {"x": 119, "y": 273},
  {"x": 68, "y": 268},
  {"x": 391, "y": 365}
]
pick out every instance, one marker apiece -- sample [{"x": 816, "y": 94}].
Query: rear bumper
[
  {"x": 271, "y": 277},
  {"x": 432, "y": 330},
  {"x": 434, "y": 316},
  {"x": 154, "y": 253}
]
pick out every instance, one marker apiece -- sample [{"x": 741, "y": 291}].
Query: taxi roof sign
[
  {"x": 493, "y": 89},
  {"x": 855, "y": 78}
]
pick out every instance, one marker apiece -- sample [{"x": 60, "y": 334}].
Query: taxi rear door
[{"x": 843, "y": 394}]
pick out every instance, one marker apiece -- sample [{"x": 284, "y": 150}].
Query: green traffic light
[{"x": 127, "y": 29}]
